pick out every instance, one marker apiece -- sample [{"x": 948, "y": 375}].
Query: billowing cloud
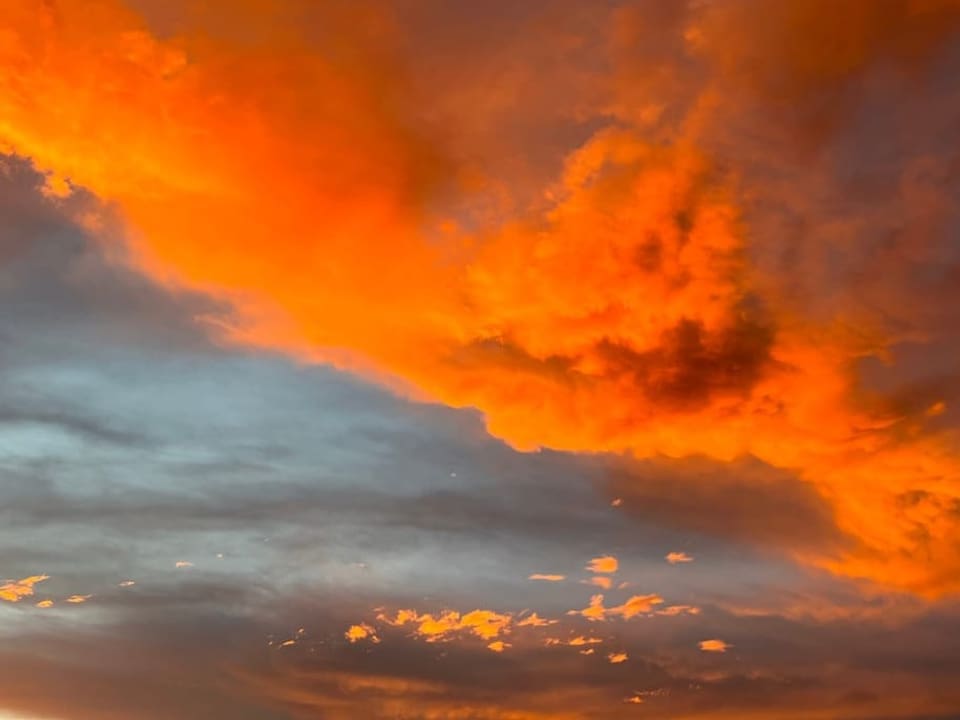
[
  {"x": 84, "y": 502},
  {"x": 715, "y": 262}
]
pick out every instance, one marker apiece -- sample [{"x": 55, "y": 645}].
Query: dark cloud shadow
[
  {"x": 745, "y": 501},
  {"x": 56, "y": 278}
]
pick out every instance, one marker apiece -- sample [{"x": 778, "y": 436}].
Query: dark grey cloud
[
  {"x": 56, "y": 278},
  {"x": 746, "y": 502},
  {"x": 70, "y": 422},
  {"x": 215, "y": 647}
]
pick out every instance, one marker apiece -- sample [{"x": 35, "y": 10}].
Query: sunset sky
[{"x": 479, "y": 360}]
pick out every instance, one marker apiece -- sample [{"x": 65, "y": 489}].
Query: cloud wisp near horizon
[{"x": 550, "y": 360}]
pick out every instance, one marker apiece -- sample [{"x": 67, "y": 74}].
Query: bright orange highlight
[{"x": 15, "y": 590}]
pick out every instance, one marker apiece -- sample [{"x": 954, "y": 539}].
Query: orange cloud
[
  {"x": 717, "y": 646},
  {"x": 15, "y": 590},
  {"x": 485, "y": 624},
  {"x": 636, "y": 605},
  {"x": 594, "y": 611},
  {"x": 580, "y": 640},
  {"x": 679, "y": 610},
  {"x": 355, "y": 633},
  {"x": 547, "y": 578},
  {"x": 599, "y": 581},
  {"x": 678, "y": 557},
  {"x": 616, "y": 658},
  {"x": 534, "y": 620},
  {"x": 604, "y": 564},
  {"x": 638, "y": 305},
  {"x": 78, "y": 599}
]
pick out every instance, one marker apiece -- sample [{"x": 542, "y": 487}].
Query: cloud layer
[
  {"x": 201, "y": 531},
  {"x": 730, "y": 242}
]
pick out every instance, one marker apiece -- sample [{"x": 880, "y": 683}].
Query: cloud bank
[{"x": 733, "y": 239}]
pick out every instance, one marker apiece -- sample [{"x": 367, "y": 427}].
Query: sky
[{"x": 550, "y": 360}]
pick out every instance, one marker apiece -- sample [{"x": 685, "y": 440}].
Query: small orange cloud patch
[
  {"x": 534, "y": 620},
  {"x": 580, "y": 640},
  {"x": 492, "y": 626},
  {"x": 605, "y": 564},
  {"x": 675, "y": 558},
  {"x": 359, "y": 632},
  {"x": 599, "y": 581},
  {"x": 15, "y": 590},
  {"x": 636, "y": 605},
  {"x": 714, "y": 646},
  {"x": 547, "y": 578},
  {"x": 679, "y": 610},
  {"x": 485, "y": 624},
  {"x": 594, "y": 611}
]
